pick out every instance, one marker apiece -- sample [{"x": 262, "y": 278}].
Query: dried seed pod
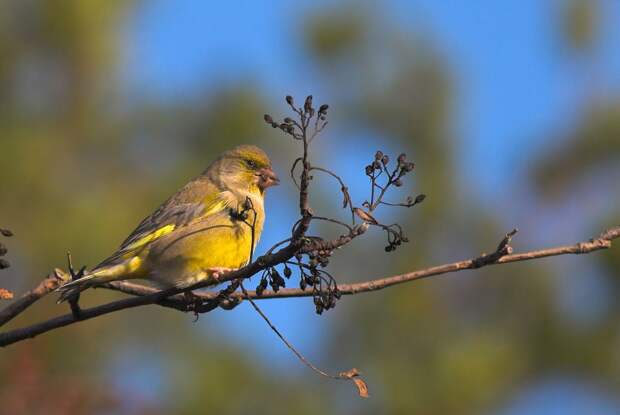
[
  {"x": 319, "y": 309},
  {"x": 268, "y": 119},
  {"x": 308, "y": 104},
  {"x": 289, "y": 100},
  {"x": 277, "y": 278},
  {"x": 287, "y": 272},
  {"x": 378, "y": 155},
  {"x": 262, "y": 285},
  {"x": 408, "y": 166}
]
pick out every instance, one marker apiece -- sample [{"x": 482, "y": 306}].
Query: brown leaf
[
  {"x": 354, "y": 375},
  {"x": 5, "y": 294},
  {"x": 362, "y": 389},
  {"x": 365, "y": 216}
]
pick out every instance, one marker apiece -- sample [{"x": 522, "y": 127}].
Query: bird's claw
[
  {"x": 217, "y": 272},
  {"x": 193, "y": 301}
]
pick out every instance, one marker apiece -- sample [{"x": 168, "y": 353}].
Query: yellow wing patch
[
  {"x": 135, "y": 249},
  {"x": 150, "y": 237},
  {"x": 164, "y": 230},
  {"x": 215, "y": 207}
]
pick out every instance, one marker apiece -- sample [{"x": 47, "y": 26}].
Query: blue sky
[{"x": 514, "y": 83}]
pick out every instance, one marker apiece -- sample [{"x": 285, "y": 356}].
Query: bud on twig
[
  {"x": 308, "y": 104},
  {"x": 287, "y": 272}
]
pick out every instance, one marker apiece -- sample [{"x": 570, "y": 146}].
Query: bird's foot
[
  {"x": 191, "y": 298},
  {"x": 217, "y": 272}
]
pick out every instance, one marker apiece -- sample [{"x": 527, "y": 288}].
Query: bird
[{"x": 204, "y": 230}]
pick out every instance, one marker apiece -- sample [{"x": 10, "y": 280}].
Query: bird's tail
[{"x": 96, "y": 277}]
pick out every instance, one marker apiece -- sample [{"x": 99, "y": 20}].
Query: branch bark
[
  {"x": 45, "y": 287},
  {"x": 169, "y": 298}
]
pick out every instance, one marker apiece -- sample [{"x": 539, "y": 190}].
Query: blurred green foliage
[
  {"x": 579, "y": 21},
  {"x": 78, "y": 170}
]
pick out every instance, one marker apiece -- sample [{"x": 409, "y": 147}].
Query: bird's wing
[{"x": 180, "y": 210}]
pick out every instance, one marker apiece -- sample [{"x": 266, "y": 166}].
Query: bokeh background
[{"x": 511, "y": 111}]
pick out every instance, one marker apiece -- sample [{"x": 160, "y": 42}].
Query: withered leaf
[
  {"x": 365, "y": 216},
  {"x": 362, "y": 389},
  {"x": 354, "y": 375},
  {"x": 5, "y": 294}
]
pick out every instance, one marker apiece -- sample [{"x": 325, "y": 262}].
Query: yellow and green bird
[{"x": 197, "y": 233}]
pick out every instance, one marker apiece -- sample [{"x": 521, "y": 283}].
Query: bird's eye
[{"x": 251, "y": 164}]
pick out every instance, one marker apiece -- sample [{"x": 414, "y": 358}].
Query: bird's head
[{"x": 245, "y": 168}]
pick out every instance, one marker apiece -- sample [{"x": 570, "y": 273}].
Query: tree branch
[
  {"x": 309, "y": 253},
  {"x": 45, "y": 287},
  {"x": 147, "y": 295}
]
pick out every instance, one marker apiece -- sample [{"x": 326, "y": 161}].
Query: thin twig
[
  {"x": 343, "y": 188},
  {"x": 49, "y": 284},
  {"x": 352, "y": 374},
  {"x": 151, "y": 296}
]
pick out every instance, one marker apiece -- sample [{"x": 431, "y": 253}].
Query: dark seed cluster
[
  {"x": 324, "y": 288},
  {"x": 3, "y": 250},
  {"x": 307, "y": 112},
  {"x": 382, "y": 176},
  {"x": 395, "y": 237},
  {"x": 271, "y": 277},
  {"x": 379, "y": 166}
]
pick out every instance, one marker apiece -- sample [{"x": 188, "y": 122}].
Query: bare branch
[
  {"x": 45, "y": 287},
  {"x": 149, "y": 295}
]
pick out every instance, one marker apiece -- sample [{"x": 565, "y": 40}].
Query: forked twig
[{"x": 352, "y": 374}]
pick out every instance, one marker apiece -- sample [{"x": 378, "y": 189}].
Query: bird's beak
[{"x": 267, "y": 178}]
